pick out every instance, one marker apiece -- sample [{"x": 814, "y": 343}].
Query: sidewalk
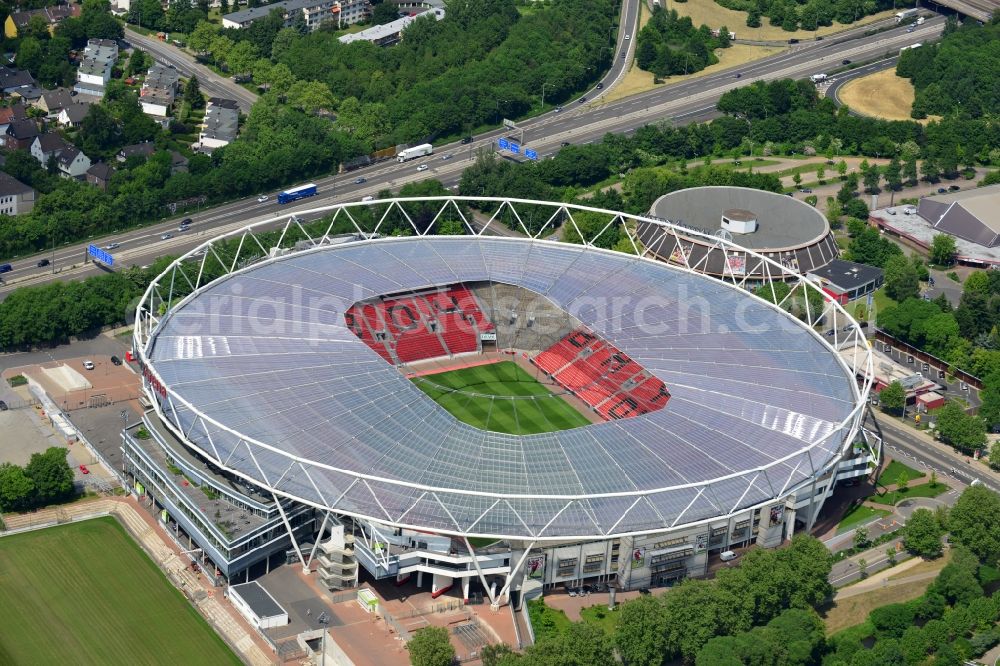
[{"x": 962, "y": 462}]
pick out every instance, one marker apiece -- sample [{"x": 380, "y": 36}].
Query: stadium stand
[
  {"x": 610, "y": 382},
  {"x": 523, "y": 319},
  {"x": 405, "y": 329}
]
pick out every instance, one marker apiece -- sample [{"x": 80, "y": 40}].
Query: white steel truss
[{"x": 186, "y": 277}]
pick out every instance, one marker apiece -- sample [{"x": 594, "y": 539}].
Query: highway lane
[
  {"x": 681, "y": 103},
  {"x": 215, "y": 85}
]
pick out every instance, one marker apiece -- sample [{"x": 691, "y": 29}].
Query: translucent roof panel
[{"x": 263, "y": 361}]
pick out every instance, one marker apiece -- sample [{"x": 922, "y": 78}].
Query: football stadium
[{"x": 486, "y": 411}]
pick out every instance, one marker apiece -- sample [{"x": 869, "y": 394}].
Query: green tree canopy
[
  {"x": 922, "y": 535},
  {"x": 51, "y": 474},
  {"x": 431, "y": 646}
]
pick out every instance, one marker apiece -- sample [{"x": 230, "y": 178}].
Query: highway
[
  {"x": 684, "y": 102},
  {"x": 838, "y": 81}
]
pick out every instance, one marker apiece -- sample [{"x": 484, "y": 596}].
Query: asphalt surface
[
  {"x": 578, "y": 123},
  {"x": 211, "y": 83},
  {"x": 837, "y": 81}
]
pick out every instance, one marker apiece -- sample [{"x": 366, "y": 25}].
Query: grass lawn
[
  {"x": 859, "y": 515},
  {"x": 854, "y": 610},
  {"x": 715, "y": 15},
  {"x": 926, "y": 566},
  {"x": 547, "y": 622},
  {"x": 895, "y": 468},
  {"x": 481, "y": 542},
  {"x": 882, "y": 301},
  {"x": 86, "y": 594},
  {"x": 500, "y": 397},
  {"x": 923, "y": 490},
  {"x": 601, "y": 616}
]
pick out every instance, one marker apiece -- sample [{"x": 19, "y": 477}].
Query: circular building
[
  {"x": 790, "y": 232},
  {"x": 315, "y": 375}
]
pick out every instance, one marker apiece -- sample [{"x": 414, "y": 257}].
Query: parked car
[
  {"x": 422, "y": 167},
  {"x": 806, "y": 190},
  {"x": 115, "y": 360},
  {"x": 3, "y": 406},
  {"x": 954, "y": 188},
  {"x": 644, "y": 590},
  {"x": 941, "y": 190},
  {"x": 88, "y": 365},
  {"x": 571, "y": 591},
  {"x": 360, "y": 180},
  {"x": 84, "y": 470},
  {"x": 262, "y": 198},
  {"x": 43, "y": 262},
  {"x": 727, "y": 556}
]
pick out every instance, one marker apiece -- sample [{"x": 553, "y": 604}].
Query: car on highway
[
  {"x": 84, "y": 470},
  {"x": 910, "y": 29},
  {"x": 558, "y": 109},
  {"x": 422, "y": 167},
  {"x": 466, "y": 140},
  {"x": 42, "y": 263},
  {"x": 166, "y": 236},
  {"x": 583, "y": 99},
  {"x": 262, "y": 198},
  {"x": 447, "y": 156},
  {"x": 600, "y": 86},
  {"x": 185, "y": 224},
  {"x": 564, "y": 144},
  {"x": 112, "y": 246},
  {"x": 367, "y": 197},
  {"x": 624, "y": 53},
  {"x": 115, "y": 360},
  {"x": 793, "y": 41},
  {"x": 737, "y": 75},
  {"x": 628, "y": 36},
  {"x": 845, "y": 61},
  {"x": 360, "y": 180},
  {"x": 6, "y": 268},
  {"x": 88, "y": 365}
]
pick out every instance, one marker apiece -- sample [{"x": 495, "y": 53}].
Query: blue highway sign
[{"x": 100, "y": 255}]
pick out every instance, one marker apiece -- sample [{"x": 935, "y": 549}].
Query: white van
[
  {"x": 727, "y": 556},
  {"x": 367, "y": 198}
]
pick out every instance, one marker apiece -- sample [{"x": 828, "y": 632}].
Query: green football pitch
[
  {"x": 86, "y": 594},
  {"x": 500, "y": 397}
]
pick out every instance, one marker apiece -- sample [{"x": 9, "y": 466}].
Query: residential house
[
  {"x": 158, "y": 91},
  {"x": 9, "y": 114},
  {"x": 99, "y": 175},
  {"x": 389, "y": 33},
  {"x": 11, "y": 79},
  {"x": 70, "y": 161},
  {"x": 15, "y": 197},
  {"x": 73, "y": 115},
  {"x": 178, "y": 163},
  {"x": 144, "y": 149},
  {"x": 95, "y": 68},
  {"x": 315, "y": 13},
  {"x": 54, "y": 101},
  {"x": 20, "y": 134},
  {"x": 220, "y": 125},
  {"x": 54, "y": 15}
]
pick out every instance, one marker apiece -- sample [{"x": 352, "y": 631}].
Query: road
[
  {"x": 211, "y": 83},
  {"x": 838, "y": 81},
  {"x": 684, "y": 102}
]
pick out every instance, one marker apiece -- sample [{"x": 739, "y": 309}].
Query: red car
[{"x": 84, "y": 470}]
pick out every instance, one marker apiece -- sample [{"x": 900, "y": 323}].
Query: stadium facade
[{"x": 280, "y": 365}]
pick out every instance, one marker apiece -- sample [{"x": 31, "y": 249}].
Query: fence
[{"x": 929, "y": 359}]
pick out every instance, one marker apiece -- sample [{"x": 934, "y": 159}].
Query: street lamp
[
  {"x": 323, "y": 619},
  {"x": 496, "y": 114},
  {"x": 543, "y": 94}
]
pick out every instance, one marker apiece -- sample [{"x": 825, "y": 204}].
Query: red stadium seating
[
  {"x": 597, "y": 372},
  {"x": 420, "y": 327}
]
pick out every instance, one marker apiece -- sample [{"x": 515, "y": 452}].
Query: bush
[{"x": 17, "y": 380}]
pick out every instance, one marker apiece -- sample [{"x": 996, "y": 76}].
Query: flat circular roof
[
  {"x": 263, "y": 376},
  {"x": 783, "y": 222}
]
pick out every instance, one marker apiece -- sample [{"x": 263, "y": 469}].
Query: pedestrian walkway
[{"x": 146, "y": 532}]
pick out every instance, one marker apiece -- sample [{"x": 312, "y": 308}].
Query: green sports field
[
  {"x": 546, "y": 413},
  {"x": 86, "y": 594}
]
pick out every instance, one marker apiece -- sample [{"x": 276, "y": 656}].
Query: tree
[
  {"x": 192, "y": 93},
  {"x": 892, "y": 398},
  {"x": 922, "y": 534},
  {"x": 942, "y": 251},
  {"x": 963, "y": 431},
  {"x": 903, "y": 482},
  {"x": 901, "y": 279},
  {"x": 861, "y": 537},
  {"x": 893, "y": 174},
  {"x": 974, "y": 521},
  {"x": 910, "y": 170},
  {"x": 641, "y": 631},
  {"x": 958, "y": 584},
  {"x": 201, "y": 37},
  {"x": 989, "y": 409},
  {"x": 842, "y": 169},
  {"x": 16, "y": 488},
  {"x": 241, "y": 57},
  {"x": 863, "y": 568},
  {"x": 430, "y": 646},
  {"x": 871, "y": 179},
  {"x": 51, "y": 474},
  {"x": 384, "y": 12},
  {"x": 929, "y": 170},
  {"x": 797, "y": 179},
  {"x": 311, "y": 96}
]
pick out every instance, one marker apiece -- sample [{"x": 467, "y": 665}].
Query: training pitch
[
  {"x": 86, "y": 594},
  {"x": 501, "y": 397}
]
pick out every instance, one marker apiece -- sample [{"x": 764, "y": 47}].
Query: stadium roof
[
  {"x": 782, "y": 221},
  {"x": 263, "y": 376}
]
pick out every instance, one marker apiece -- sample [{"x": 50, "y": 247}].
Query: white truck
[
  {"x": 907, "y": 14},
  {"x": 414, "y": 152},
  {"x": 817, "y": 78}
]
